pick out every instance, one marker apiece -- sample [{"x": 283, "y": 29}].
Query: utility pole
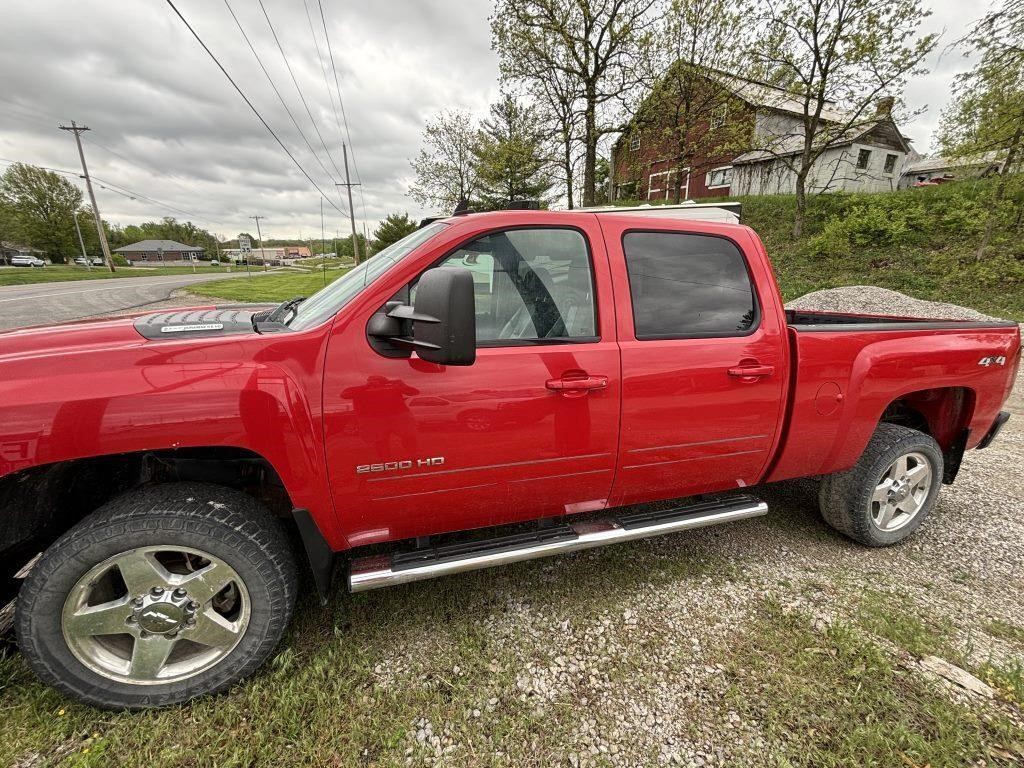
[
  {"x": 263, "y": 253},
  {"x": 78, "y": 129},
  {"x": 323, "y": 242},
  {"x": 81, "y": 242},
  {"x": 351, "y": 211}
]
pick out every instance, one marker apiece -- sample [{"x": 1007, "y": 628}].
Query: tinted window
[
  {"x": 687, "y": 285},
  {"x": 530, "y": 284}
]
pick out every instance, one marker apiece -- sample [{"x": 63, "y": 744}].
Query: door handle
[
  {"x": 752, "y": 371},
  {"x": 577, "y": 387}
]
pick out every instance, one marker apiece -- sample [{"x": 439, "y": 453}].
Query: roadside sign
[{"x": 245, "y": 245}]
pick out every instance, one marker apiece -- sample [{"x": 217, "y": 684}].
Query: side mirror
[
  {"x": 444, "y": 317},
  {"x": 443, "y": 320}
]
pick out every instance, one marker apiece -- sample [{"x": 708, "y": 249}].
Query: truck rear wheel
[
  {"x": 162, "y": 595},
  {"x": 885, "y": 497}
]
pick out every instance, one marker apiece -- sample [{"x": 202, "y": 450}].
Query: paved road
[{"x": 22, "y": 305}]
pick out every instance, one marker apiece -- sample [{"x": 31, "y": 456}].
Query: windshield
[{"x": 326, "y": 302}]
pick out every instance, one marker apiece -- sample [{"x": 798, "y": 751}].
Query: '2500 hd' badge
[{"x": 397, "y": 466}]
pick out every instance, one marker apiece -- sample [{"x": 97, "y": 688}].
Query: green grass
[
  {"x": 58, "y": 274},
  {"x": 889, "y": 616},
  {"x": 272, "y": 287},
  {"x": 834, "y": 698},
  {"x": 1004, "y": 630}
]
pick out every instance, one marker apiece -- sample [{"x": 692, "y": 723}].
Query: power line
[
  {"x": 323, "y": 68},
  {"x": 341, "y": 103},
  {"x": 139, "y": 166},
  {"x": 277, "y": 91},
  {"x": 117, "y": 189},
  {"x": 250, "y": 105},
  {"x": 37, "y": 115},
  {"x": 295, "y": 82}
]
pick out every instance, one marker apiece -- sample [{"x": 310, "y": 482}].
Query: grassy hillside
[{"x": 918, "y": 241}]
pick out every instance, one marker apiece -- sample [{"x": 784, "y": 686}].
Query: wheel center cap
[{"x": 161, "y": 617}]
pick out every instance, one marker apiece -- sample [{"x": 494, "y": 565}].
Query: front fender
[{"x": 257, "y": 393}]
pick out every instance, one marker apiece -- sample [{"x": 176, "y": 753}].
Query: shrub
[
  {"x": 870, "y": 221},
  {"x": 119, "y": 260}
]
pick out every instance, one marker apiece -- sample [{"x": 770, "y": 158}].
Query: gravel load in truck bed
[{"x": 869, "y": 299}]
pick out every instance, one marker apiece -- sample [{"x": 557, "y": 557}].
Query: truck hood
[{"x": 128, "y": 331}]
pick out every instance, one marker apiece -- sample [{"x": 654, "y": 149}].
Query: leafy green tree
[
  {"x": 594, "y": 49},
  {"x": 510, "y": 164},
  {"x": 39, "y": 207},
  {"x": 394, "y": 227},
  {"x": 986, "y": 115},
  {"x": 840, "y": 58},
  {"x": 445, "y": 168}
]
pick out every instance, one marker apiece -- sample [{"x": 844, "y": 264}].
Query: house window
[
  {"x": 890, "y": 163},
  {"x": 863, "y": 158},
  {"x": 719, "y": 177},
  {"x": 719, "y": 115},
  {"x": 660, "y": 186},
  {"x": 634, "y": 142}
]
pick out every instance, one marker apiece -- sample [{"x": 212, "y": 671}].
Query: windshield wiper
[{"x": 279, "y": 313}]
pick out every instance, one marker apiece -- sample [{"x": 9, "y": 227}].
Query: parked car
[
  {"x": 27, "y": 261},
  {"x": 528, "y": 373},
  {"x": 82, "y": 262}
]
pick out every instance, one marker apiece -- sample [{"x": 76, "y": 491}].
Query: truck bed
[{"x": 809, "y": 320}]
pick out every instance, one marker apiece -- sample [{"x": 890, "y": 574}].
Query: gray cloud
[{"x": 134, "y": 74}]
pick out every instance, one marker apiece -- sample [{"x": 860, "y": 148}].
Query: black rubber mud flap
[{"x": 319, "y": 554}]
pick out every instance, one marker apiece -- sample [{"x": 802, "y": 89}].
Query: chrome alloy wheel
[
  {"x": 155, "y": 615},
  {"x": 901, "y": 492}
]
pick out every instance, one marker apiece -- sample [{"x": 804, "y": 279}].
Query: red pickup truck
[{"x": 494, "y": 387}]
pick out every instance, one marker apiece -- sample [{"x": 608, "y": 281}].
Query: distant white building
[{"x": 870, "y": 158}]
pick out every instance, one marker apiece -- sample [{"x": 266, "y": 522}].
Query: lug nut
[
  {"x": 131, "y": 619},
  {"x": 180, "y": 592},
  {"x": 156, "y": 591},
  {"x": 190, "y": 621},
  {"x": 143, "y": 634},
  {"x": 137, "y": 602},
  {"x": 192, "y": 606}
]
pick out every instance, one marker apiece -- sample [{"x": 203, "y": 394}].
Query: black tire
[
  {"x": 845, "y": 497},
  {"x": 228, "y": 524}
]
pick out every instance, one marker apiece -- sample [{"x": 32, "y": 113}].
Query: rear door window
[{"x": 685, "y": 286}]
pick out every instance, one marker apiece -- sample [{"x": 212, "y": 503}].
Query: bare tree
[
  {"x": 445, "y": 166},
  {"x": 598, "y": 45},
  {"x": 557, "y": 102},
  {"x": 839, "y": 59}
]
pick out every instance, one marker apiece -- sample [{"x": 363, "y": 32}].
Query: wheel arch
[
  {"x": 944, "y": 413},
  {"x": 40, "y": 503}
]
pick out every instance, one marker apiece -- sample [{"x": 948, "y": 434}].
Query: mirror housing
[
  {"x": 440, "y": 328},
  {"x": 444, "y": 317}
]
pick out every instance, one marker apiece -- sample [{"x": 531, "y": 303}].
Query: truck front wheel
[
  {"x": 885, "y": 497},
  {"x": 164, "y": 594}
]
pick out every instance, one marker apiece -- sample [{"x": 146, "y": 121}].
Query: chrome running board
[{"x": 386, "y": 570}]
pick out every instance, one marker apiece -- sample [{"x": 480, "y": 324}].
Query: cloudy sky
[{"x": 168, "y": 125}]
